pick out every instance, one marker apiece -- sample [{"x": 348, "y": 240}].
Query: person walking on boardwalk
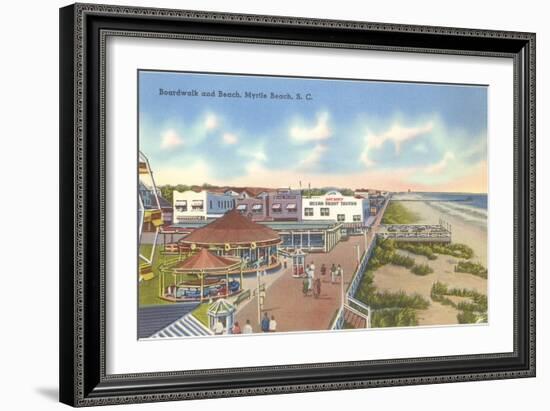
[
  {"x": 305, "y": 286},
  {"x": 236, "y": 328},
  {"x": 323, "y": 269},
  {"x": 311, "y": 277},
  {"x": 317, "y": 288},
  {"x": 272, "y": 325},
  {"x": 247, "y": 329},
  {"x": 265, "y": 323},
  {"x": 340, "y": 271},
  {"x": 305, "y": 282},
  {"x": 333, "y": 273}
]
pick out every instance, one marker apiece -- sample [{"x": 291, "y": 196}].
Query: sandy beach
[{"x": 394, "y": 278}]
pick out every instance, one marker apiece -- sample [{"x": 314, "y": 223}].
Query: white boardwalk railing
[{"x": 350, "y": 302}]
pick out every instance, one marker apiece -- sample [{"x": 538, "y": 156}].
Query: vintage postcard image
[{"x": 272, "y": 204}]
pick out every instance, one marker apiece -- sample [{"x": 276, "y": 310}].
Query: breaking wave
[{"x": 467, "y": 213}]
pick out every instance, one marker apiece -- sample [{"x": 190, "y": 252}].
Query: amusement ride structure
[{"x": 149, "y": 217}]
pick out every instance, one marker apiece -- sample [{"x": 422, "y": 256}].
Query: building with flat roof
[
  {"x": 349, "y": 211},
  {"x": 312, "y": 236},
  {"x": 277, "y": 205},
  {"x": 201, "y": 205}
]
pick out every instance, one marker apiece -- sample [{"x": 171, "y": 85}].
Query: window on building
[
  {"x": 308, "y": 211},
  {"x": 357, "y": 217},
  {"x": 341, "y": 217},
  {"x": 291, "y": 207},
  {"x": 325, "y": 211},
  {"x": 181, "y": 206},
  {"x": 241, "y": 207},
  {"x": 197, "y": 205},
  {"x": 276, "y": 207},
  {"x": 257, "y": 208}
]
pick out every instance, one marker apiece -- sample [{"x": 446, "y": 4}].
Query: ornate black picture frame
[{"x": 83, "y": 30}]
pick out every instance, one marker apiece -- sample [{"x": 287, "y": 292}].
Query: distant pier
[{"x": 427, "y": 233}]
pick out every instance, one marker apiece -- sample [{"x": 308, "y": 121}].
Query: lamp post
[
  {"x": 342, "y": 290},
  {"x": 258, "y": 293}
]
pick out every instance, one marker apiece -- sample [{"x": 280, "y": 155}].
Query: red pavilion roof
[
  {"x": 230, "y": 229},
  {"x": 204, "y": 260}
]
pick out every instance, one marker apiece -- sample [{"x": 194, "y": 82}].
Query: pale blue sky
[{"x": 350, "y": 133}]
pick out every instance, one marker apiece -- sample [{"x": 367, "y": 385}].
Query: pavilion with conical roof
[
  {"x": 234, "y": 235},
  {"x": 200, "y": 272}
]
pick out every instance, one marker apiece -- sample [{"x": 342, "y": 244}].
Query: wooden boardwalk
[{"x": 295, "y": 312}]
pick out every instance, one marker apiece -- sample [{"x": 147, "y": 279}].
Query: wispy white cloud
[
  {"x": 170, "y": 139},
  {"x": 396, "y": 134},
  {"x": 211, "y": 122},
  {"x": 313, "y": 158},
  {"x": 319, "y": 131},
  {"x": 253, "y": 153},
  {"x": 230, "y": 138},
  {"x": 441, "y": 165}
]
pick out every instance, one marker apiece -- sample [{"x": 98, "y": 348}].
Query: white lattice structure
[{"x": 149, "y": 214}]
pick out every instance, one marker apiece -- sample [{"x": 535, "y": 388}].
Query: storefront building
[
  {"x": 278, "y": 205},
  {"x": 349, "y": 211},
  {"x": 310, "y": 236},
  {"x": 193, "y": 205}
]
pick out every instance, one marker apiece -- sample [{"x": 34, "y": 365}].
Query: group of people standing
[
  {"x": 310, "y": 283},
  {"x": 267, "y": 325},
  {"x": 313, "y": 284}
]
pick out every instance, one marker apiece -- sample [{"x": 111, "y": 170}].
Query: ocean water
[
  {"x": 470, "y": 207},
  {"x": 475, "y": 200}
]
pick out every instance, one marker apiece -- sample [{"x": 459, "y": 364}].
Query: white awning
[
  {"x": 276, "y": 206},
  {"x": 197, "y": 203},
  {"x": 257, "y": 207},
  {"x": 241, "y": 207},
  {"x": 291, "y": 206},
  {"x": 181, "y": 202}
]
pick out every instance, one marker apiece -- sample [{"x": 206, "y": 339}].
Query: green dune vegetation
[
  {"x": 393, "y": 309},
  {"x": 386, "y": 253},
  {"x": 473, "y": 307},
  {"x": 430, "y": 250},
  {"x": 389, "y": 309},
  {"x": 422, "y": 269},
  {"x": 397, "y": 213},
  {"x": 471, "y": 268}
]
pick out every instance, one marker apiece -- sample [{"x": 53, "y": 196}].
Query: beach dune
[{"x": 394, "y": 278}]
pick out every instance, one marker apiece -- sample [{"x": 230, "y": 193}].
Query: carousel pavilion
[
  {"x": 201, "y": 276},
  {"x": 234, "y": 235}
]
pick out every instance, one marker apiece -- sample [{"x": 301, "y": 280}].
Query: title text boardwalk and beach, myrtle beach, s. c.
[{"x": 261, "y": 95}]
